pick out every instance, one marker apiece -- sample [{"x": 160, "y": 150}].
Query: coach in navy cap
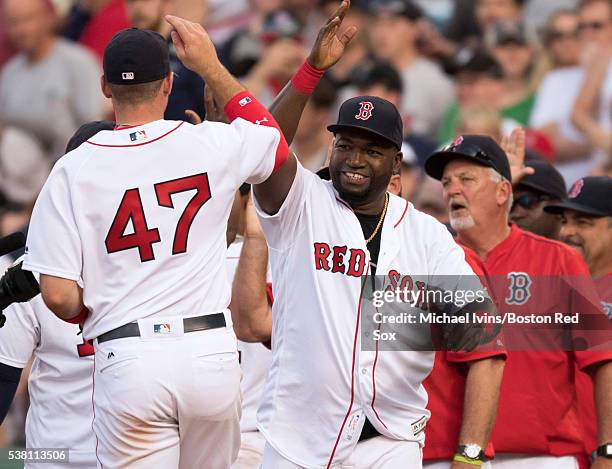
[{"x": 586, "y": 219}]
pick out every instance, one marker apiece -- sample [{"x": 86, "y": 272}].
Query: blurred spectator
[
  {"x": 428, "y": 198},
  {"x": 560, "y": 40},
  {"x": 277, "y": 54},
  {"x": 23, "y": 168},
  {"x": 379, "y": 78},
  {"x": 471, "y": 21},
  {"x": 357, "y": 50},
  {"x": 6, "y": 50},
  {"x": 511, "y": 48},
  {"x": 225, "y": 18},
  {"x": 93, "y": 23},
  {"x": 427, "y": 90},
  {"x": 597, "y": 129},
  {"x": 479, "y": 81},
  {"x": 188, "y": 87},
  {"x": 491, "y": 12},
  {"x": 480, "y": 120},
  {"x": 51, "y": 86},
  {"x": 410, "y": 172},
  {"x": 559, "y": 89},
  {"x": 312, "y": 138},
  {"x": 536, "y": 13}
]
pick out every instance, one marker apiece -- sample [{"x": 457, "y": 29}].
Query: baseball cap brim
[
  {"x": 559, "y": 207},
  {"x": 435, "y": 164},
  {"x": 337, "y": 128},
  {"x": 537, "y": 187}
]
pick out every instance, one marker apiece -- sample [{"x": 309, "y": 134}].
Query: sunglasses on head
[
  {"x": 530, "y": 201},
  {"x": 472, "y": 151},
  {"x": 594, "y": 25}
]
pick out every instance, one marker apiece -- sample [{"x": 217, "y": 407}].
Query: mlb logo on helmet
[
  {"x": 127, "y": 75},
  {"x": 365, "y": 110},
  {"x": 163, "y": 328},
  {"x": 138, "y": 135},
  {"x": 576, "y": 188}
]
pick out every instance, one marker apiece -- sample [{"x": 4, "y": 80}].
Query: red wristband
[
  {"x": 306, "y": 78},
  {"x": 79, "y": 318}
]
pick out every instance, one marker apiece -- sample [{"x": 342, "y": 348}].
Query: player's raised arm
[{"x": 289, "y": 105}]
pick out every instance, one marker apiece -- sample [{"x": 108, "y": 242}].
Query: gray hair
[{"x": 497, "y": 177}]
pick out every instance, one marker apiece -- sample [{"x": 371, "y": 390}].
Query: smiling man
[{"x": 328, "y": 401}]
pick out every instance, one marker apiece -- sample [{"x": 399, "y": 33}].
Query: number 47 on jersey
[{"x": 143, "y": 238}]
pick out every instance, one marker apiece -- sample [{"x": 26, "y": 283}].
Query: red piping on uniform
[
  {"x": 93, "y": 387},
  {"x": 374, "y": 382},
  {"x": 137, "y": 144},
  {"x": 352, "y": 372},
  {"x": 402, "y": 217}
]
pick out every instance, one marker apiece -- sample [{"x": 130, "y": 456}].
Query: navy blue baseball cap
[
  {"x": 591, "y": 195},
  {"x": 372, "y": 114},
  {"x": 135, "y": 56},
  {"x": 480, "y": 149},
  {"x": 545, "y": 179}
]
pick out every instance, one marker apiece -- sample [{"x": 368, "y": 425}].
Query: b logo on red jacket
[{"x": 365, "y": 111}]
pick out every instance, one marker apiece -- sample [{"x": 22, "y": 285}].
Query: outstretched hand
[
  {"x": 329, "y": 46},
  {"x": 514, "y": 147}
]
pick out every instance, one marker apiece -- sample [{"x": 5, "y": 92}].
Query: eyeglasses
[
  {"x": 472, "y": 151},
  {"x": 530, "y": 201},
  {"x": 559, "y": 35},
  {"x": 594, "y": 25}
]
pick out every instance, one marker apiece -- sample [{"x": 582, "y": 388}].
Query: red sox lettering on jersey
[
  {"x": 318, "y": 319},
  {"x": 336, "y": 260}
]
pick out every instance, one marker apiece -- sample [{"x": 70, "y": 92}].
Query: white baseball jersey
[
  {"x": 255, "y": 360},
  {"x": 321, "y": 385},
  {"x": 60, "y": 381},
  {"x": 140, "y": 215}
]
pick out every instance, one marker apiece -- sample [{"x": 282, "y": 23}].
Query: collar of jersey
[
  {"x": 135, "y": 136},
  {"x": 393, "y": 212}
]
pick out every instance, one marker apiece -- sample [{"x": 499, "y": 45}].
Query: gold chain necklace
[{"x": 382, "y": 217}]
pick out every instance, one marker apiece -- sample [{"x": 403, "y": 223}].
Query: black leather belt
[{"x": 198, "y": 323}]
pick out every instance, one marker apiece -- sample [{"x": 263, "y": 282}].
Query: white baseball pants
[
  {"x": 376, "y": 453},
  {"x": 167, "y": 401}
]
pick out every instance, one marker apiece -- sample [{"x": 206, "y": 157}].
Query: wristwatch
[
  {"x": 471, "y": 452},
  {"x": 603, "y": 451}
]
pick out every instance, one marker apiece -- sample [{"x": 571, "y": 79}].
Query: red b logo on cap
[
  {"x": 365, "y": 111},
  {"x": 576, "y": 188}
]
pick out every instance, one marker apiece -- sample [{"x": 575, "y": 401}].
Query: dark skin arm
[{"x": 289, "y": 105}]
